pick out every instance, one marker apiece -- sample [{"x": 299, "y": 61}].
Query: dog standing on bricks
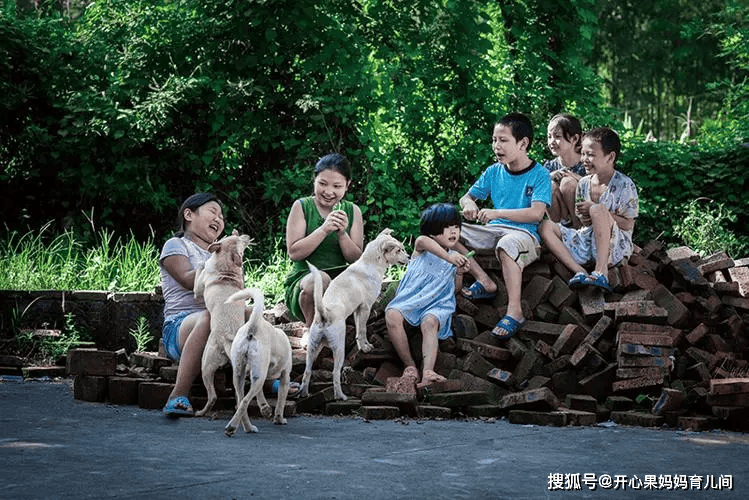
[
  {"x": 266, "y": 352},
  {"x": 354, "y": 291},
  {"x": 220, "y": 277}
]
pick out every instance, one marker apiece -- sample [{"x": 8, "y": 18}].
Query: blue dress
[{"x": 428, "y": 287}]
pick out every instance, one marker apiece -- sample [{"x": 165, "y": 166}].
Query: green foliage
[
  {"x": 669, "y": 176},
  {"x": 657, "y": 59},
  {"x": 703, "y": 229},
  {"x": 39, "y": 261},
  {"x": 122, "y": 109},
  {"x": 142, "y": 334},
  {"x": 269, "y": 274},
  {"x": 49, "y": 348}
]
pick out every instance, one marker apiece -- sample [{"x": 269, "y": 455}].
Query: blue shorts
[{"x": 170, "y": 335}]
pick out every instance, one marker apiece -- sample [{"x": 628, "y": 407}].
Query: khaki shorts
[{"x": 518, "y": 244}]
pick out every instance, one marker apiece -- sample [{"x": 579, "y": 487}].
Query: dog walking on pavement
[{"x": 264, "y": 351}]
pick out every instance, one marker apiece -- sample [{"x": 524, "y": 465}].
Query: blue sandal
[
  {"x": 598, "y": 280},
  {"x": 478, "y": 292},
  {"x": 172, "y": 407},
  {"x": 509, "y": 325},
  {"x": 579, "y": 280}
]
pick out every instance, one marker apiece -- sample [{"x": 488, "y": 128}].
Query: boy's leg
[
  {"x": 567, "y": 191},
  {"x": 551, "y": 235},
  {"x": 603, "y": 226},
  {"x": 397, "y": 334},
  {"x": 557, "y": 202},
  {"x": 513, "y": 277},
  {"x": 515, "y": 250},
  {"x": 475, "y": 270}
]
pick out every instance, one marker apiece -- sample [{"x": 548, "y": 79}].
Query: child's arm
[
  {"x": 180, "y": 268},
  {"x": 427, "y": 244},
  {"x": 582, "y": 210},
  {"x": 534, "y": 213},
  {"x": 624, "y": 223},
  {"x": 469, "y": 206}
]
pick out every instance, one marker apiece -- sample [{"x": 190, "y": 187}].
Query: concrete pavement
[{"x": 53, "y": 446}]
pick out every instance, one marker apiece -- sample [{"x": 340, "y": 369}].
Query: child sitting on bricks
[
  {"x": 520, "y": 190},
  {"x": 426, "y": 295},
  {"x": 607, "y": 205}
]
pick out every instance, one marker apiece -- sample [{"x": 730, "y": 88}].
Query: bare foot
[
  {"x": 430, "y": 377},
  {"x": 411, "y": 371}
]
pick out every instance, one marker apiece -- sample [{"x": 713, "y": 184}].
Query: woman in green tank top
[{"x": 323, "y": 230}]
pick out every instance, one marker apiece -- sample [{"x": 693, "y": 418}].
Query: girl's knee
[
  {"x": 393, "y": 318},
  {"x": 430, "y": 326}
]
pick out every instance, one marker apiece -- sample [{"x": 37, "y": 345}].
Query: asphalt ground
[{"x": 53, "y": 446}]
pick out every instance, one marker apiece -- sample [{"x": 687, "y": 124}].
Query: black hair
[
  {"x": 193, "y": 202},
  {"x": 607, "y": 138},
  {"x": 570, "y": 127},
  {"x": 335, "y": 161},
  {"x": 437, "y": 217},
  {"x": 520, "y": 126}
]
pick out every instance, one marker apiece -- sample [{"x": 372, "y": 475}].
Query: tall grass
[
  {"x": 269, "y": 274},
  {"x": 39, "y": 261}
]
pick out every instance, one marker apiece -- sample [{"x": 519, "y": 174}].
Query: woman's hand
[{"x": 336, "y": 221}]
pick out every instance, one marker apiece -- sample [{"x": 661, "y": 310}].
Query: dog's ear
[
  {"x": 235, "y": 232},
  {"x": 385, "y": 232},
  {"x": 244, "y": 242},
  {"x": 214, "y": 247}
]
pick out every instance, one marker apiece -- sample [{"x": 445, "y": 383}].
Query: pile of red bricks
[{"x": 667, "y": 347}]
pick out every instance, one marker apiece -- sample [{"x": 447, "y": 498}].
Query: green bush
[
  {"x": 703, "y": 228},
  {"x": 669, "y": 176}
]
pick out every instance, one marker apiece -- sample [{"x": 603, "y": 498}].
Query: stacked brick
[{"x": 667, "y": 346}]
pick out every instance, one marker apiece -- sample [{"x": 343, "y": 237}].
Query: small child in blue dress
[{"x": 426, "y": 295}]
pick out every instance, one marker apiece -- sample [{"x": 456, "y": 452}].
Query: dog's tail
[
  {"x": 317, "y": 288},
  {"x": 258, "y": 302}
]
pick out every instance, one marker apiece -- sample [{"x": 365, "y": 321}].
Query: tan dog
[
  {"x": 354, "y": 291},
  {"x": 266, "y": 352},
  {"x": 220, "y": 277}
]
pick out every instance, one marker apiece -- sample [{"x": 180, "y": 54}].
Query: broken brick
[
  {"x": 696, "y": 335},
  {"x": 640, "y": 312},
  {"x": 532, "y": 399},
  {"x": 740, "y": 275},
  {"x": 568, "y": 340}
]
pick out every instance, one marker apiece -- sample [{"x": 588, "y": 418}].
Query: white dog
[
  {"x": 220, "y": 277},
  {"x": 354, "y": 291},
  {"x": 266, "y": 352}
]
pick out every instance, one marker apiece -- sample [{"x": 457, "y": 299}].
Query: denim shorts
[{"x": 170, "y": 335}]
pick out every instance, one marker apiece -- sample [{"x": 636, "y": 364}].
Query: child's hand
[
  {"x": 558, "y": 175},
  {"x": 470, "y": 210},
  {"x": 582, "y": 210},
  {"x": 458, "y": 260},
  {"x": 487, "y": 215}
]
